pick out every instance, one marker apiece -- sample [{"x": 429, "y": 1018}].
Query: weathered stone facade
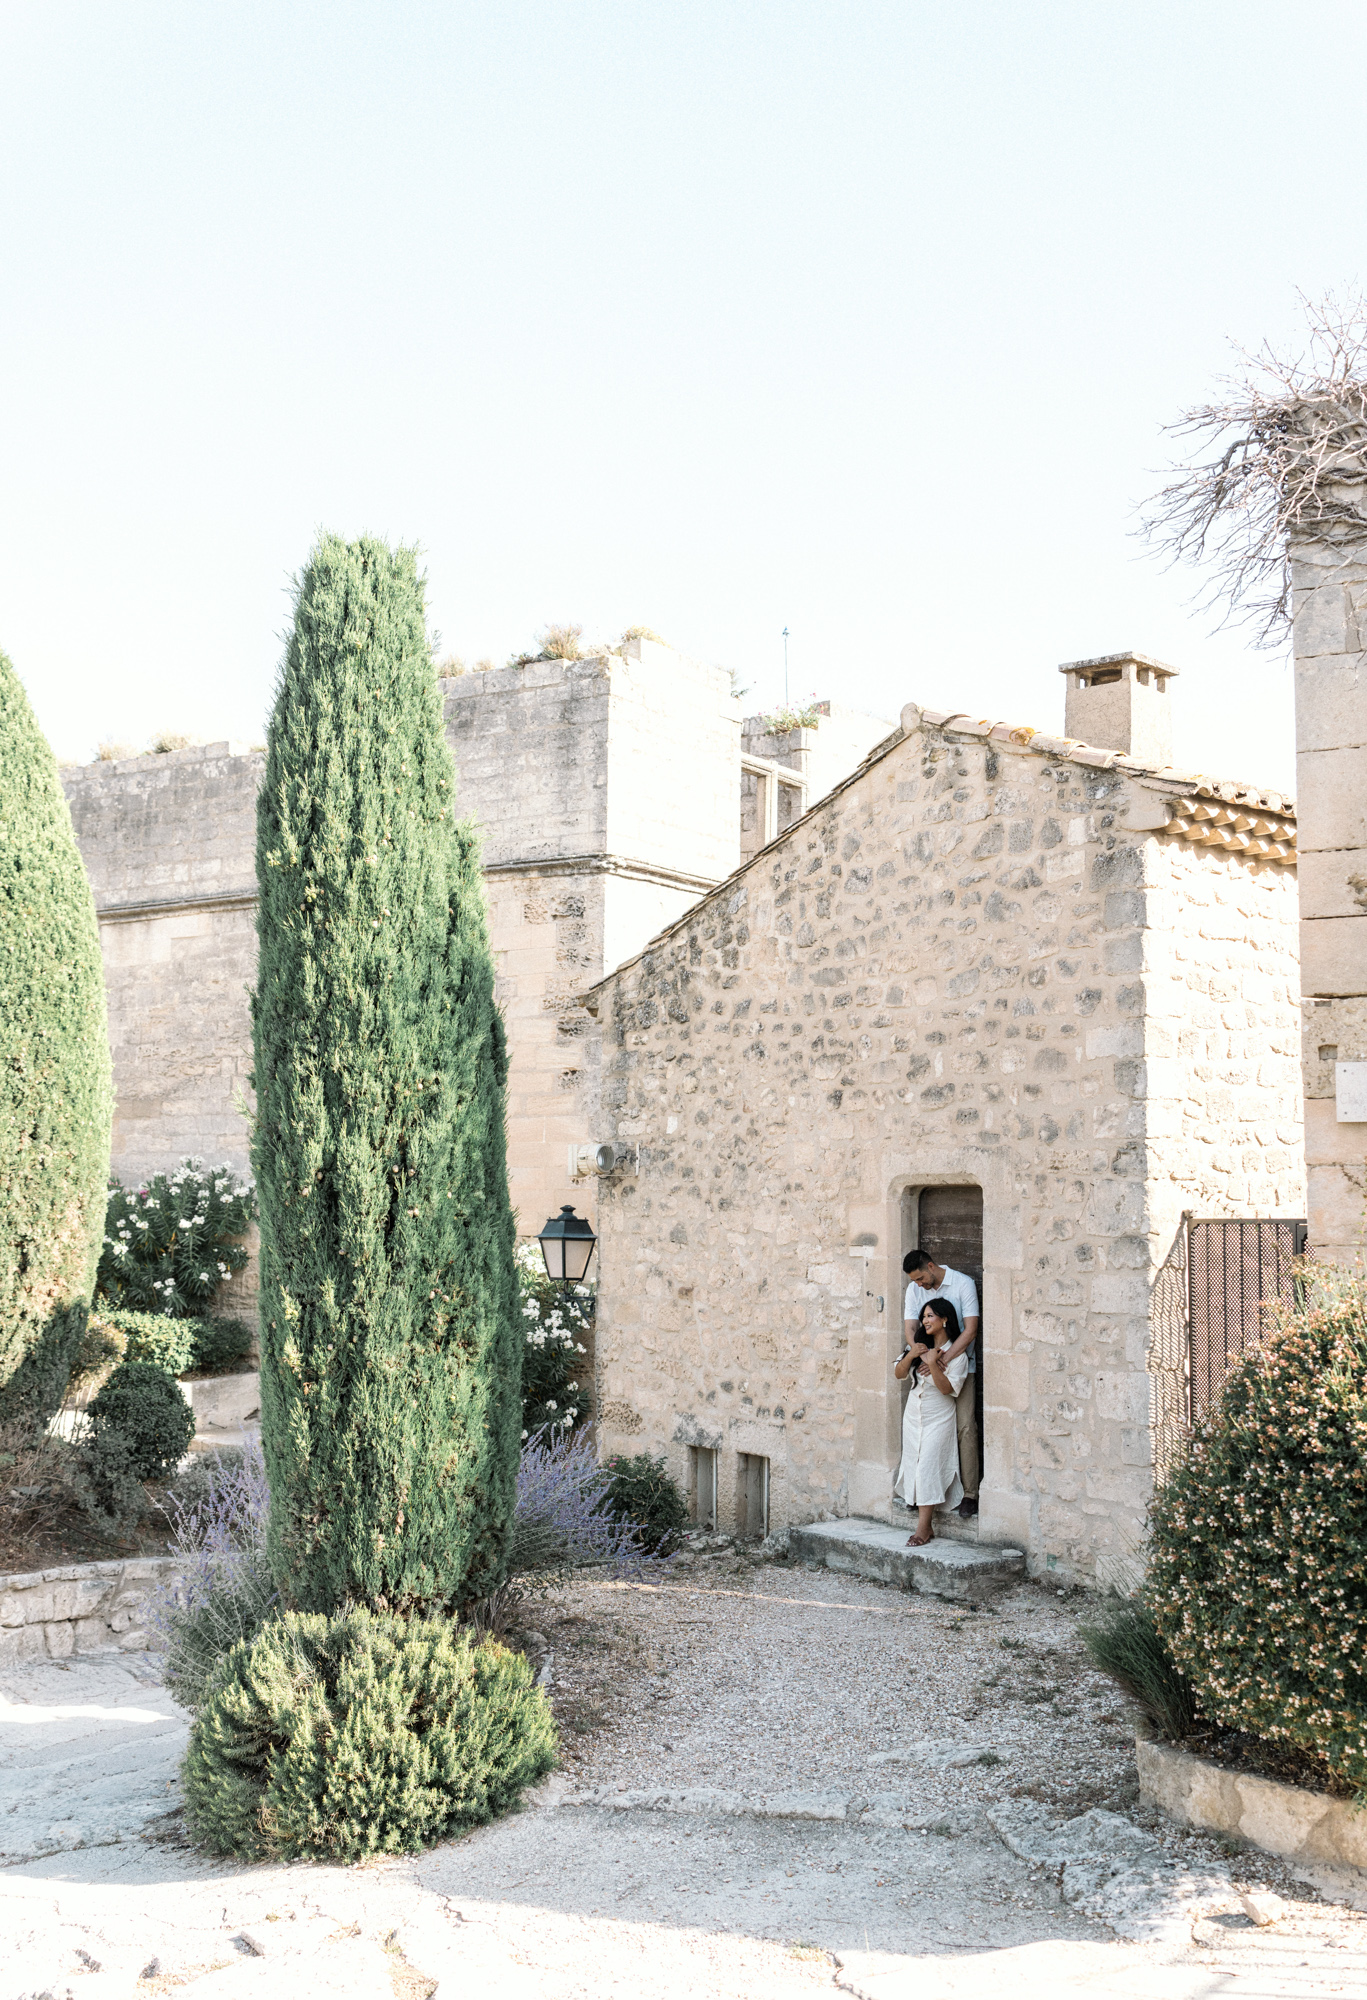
[
  {"x": 991, "y": 958},
  {"x": 608, "y": 793},
  {"x": 1330, "y": 596}
]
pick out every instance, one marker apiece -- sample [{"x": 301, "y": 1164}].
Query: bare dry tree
[{"x": 1287, "y": 463}]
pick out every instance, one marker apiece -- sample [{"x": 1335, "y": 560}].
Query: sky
[{"x": 859, "y": 319}]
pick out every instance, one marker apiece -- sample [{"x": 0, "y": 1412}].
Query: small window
[
  {"x": 703, "y": 1478},
  {"x": 752, "y": 1494}
]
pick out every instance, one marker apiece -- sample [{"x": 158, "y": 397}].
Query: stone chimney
[{"x": 1120, "y": 702}]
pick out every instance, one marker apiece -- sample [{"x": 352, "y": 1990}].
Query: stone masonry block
[
  {"x": 1331, "y": 701},
  {"x": 21, "y": 1644},
  {"x": 1331, "y": 798},
  {"x": 1334, "y": 956}
]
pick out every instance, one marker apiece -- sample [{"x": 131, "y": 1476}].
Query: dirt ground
[{"x": 776, "y": 1782}]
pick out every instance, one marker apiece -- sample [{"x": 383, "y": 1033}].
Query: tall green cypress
[
  {"x": 390, "y": 1352},
  {"x": 55, "y": 1093}
]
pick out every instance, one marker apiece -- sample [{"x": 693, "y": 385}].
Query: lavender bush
[
  {"x": 224, "y": 1591},
  {"x": 562, "y": 1523}
]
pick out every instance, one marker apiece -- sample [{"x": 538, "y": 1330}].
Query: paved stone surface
[
  {"x": 88, "y": 1754},
  {"x": 805, "y": 1840},
  {"x": 966, "y": 1572}
]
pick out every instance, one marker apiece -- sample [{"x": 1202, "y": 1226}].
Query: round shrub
[
  {"x": 363, "y": 1733},
  {"x": 169, "y": 1344},
  {"x": 1258, "y": 1566},
  {"x": 177, "y": 1345},
  {"x": 141, "y": 1406},
  {"x": 644, "y": 1491}
]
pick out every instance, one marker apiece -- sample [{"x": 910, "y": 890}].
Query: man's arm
[{"x": 970, "y": 1317}]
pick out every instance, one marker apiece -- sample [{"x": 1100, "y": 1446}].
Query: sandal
[{"x": 919, "y": 1541}]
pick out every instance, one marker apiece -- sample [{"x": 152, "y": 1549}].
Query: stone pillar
[{"x": 1330, "y": 629}]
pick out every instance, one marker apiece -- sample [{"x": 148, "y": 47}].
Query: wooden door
[{"x": 950, "y": 1226}]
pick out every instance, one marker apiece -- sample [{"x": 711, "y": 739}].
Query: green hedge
[
  {"x": 180, "y": 1346},
  {"x": 645, "y": 1492},
  {"x": 55, "y": 1094}
]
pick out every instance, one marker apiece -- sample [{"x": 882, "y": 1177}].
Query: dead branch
[{"x": 1287, "y": 463}]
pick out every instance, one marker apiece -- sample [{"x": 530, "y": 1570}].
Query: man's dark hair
[{"x": 916, "y": 1260}]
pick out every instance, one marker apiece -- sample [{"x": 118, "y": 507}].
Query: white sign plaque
[{"x": 1350, "y": 1092}]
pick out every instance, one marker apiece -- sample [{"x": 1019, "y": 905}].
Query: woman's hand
[{"x": 937, "y": 1373}]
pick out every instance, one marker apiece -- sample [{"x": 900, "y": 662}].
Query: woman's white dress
[{"x": 929, "y": 1473}]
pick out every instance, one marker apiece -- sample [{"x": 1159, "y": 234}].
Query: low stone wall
[
  {"x": 223, "y": 1402},
  {"x": 84, "y": 1608},
  {"x": 1323, "y": 1839}
]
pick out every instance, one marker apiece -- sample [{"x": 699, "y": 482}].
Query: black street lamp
[{"x": 567, "y": 1244}]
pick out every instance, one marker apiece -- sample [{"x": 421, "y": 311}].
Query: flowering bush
[
  {"x": 555, "y": 1320},
  {"x": 170, "y": 1245},
  {"x": 1258, "y": 1567}
]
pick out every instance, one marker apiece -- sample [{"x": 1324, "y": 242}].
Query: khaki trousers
[{"x": 966, "y": 1412}]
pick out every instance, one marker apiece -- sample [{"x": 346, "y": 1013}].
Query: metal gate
[{"x": 1207, "y": 1309}]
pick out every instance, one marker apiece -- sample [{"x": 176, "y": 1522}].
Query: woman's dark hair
[{"x": 942, "y": 1309}]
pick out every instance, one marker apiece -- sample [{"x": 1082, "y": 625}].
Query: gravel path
[{"x": 777, "y": 1782}]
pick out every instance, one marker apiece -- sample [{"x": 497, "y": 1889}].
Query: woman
[{"x": 928, "y": 1476}]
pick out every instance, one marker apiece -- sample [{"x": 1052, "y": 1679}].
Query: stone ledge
[
  {"x": 223, "y": 1402},
  {"x": 965, "y": 1572},
  {"x": 1323, "y": 1839},
  {"x": 49, "y": 1614}
]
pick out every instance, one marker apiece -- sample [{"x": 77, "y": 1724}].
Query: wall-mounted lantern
[{"x": 567, "y": 1245}]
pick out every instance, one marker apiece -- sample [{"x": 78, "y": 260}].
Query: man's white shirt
[{"x": 962, "y": 1294}]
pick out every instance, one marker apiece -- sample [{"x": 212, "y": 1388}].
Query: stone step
[{"x": 963, "y": 1571}]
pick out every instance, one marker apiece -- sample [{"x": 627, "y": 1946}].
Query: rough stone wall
[
  {"x": 1330, "y": 630},
  {"x": 170, "y": 843},
  {"x": 546, "y": 932},
  {"x": 938, "y": 977},
  {"x": 1222, "y": 1035},
  {"x": 556, "y": 761}
]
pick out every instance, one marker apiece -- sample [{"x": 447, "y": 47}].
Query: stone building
[
  {"x": 1022, "y": 998},
  {"x": 611, "y": 793},
  {"x": 1329, "y": 577}
]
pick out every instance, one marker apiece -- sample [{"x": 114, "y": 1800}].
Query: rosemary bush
[
  {"x": 334, "y": 1738},
  {"x": 168, "y": 1246},
  {"x": 1258, "y": 1565}
]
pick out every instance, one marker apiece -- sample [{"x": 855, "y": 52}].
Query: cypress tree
[
  {"x": 55, "y": 1093},
  {"x": 390, "y": 1350}
]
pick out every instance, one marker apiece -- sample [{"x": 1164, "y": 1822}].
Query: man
[{"x": 930, "y": 1280}]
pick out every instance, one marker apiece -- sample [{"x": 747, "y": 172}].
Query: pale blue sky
[{"x": 861, "y": 319}]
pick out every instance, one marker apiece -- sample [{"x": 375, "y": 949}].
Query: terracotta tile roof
[{"x": 1209, "y": 811}]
